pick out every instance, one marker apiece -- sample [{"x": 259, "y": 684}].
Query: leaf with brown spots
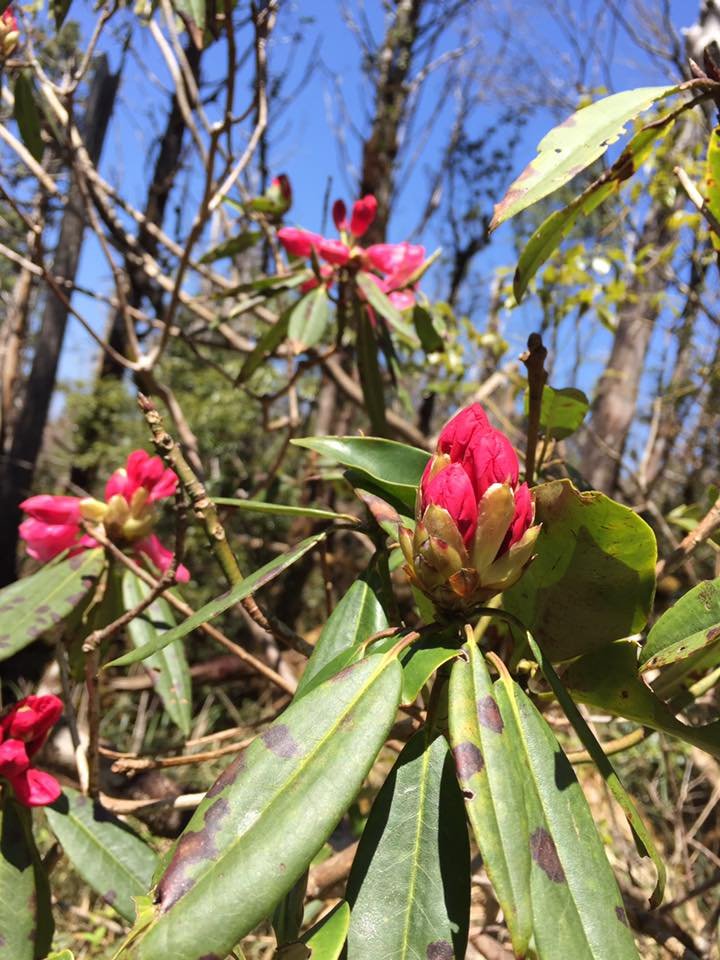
[
  {"x": 573, "y": 146},
  {"x": 32, "y": 606},
  {"x": 251, "y": 839},
  {"x": 689, "y": 626}
]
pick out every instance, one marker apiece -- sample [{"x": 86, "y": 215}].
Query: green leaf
[
  {"x": 430, "y": 339},
  {"x": 168, "y": 668},
  {"x": 642, "y": 836},
  {"x": 488, "y": 755},
  {"x": 249, "y": 585},
  {"x": 26, "y": 922},
  {"x": 371, "y": 381},
  {"x": 394, "y": 467},
  {"x": 357, "y": 616},
  {"x": 309, "y": 317},
  {"x": 32, "y": 606},
  {"x": 608, "y": 680},
  {"x": 324, "y": 941},
  {"x": 561, "y": 411},
  {"x": 409, "y": 886},
  {"x": 106, "y": 853},
  {"x": 593, "y": 578},
  {"x": 231, "y": 247},
  {"x": 274, "y": 284},
  {"x": 60, "y": 10},
  {"x": 260, "y": 825},
  {"x": 687, "y": 627},
  {"x": 27, "y": 115},
  {"x": 266, "y": 345},
  {"x": 576, "y": 905},
  {"x": 384, "y": 306},
  {"x": 711, "y": 185},
  {"x": 61, "y": 955},
  {"x": 283, "y": 510},
  {"x": 553, "y": 230},
  {"x": 193, "y": 9},
  {"x": 573, "y": 145},
  {"x": 422, "y": 659}
]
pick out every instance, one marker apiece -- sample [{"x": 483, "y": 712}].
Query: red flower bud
[
  {"x": 22, "y": 732},
  {"x": 298, "y": 242},
  {"x": 363, "y": 214},
  {"x": 452, "y": 490},
  {"x": 339, "y": 215}
]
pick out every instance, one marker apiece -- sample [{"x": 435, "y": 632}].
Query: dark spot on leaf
[
  {"x": 468, "y": 794},
  {"x": 621, "y": 915},
  {"x": 228, "y": 775},
  {"x": 489, "y": 714},
  {"x": 3, "y": 941},
  {"x": 712, "y": 634},
  {"x": 544, "y": 853},
  {"x": 193, "y": 848},
  {"x": 75, "y": 562},
  {"x": 110, "y": 897},
  {"x": 558, "y": 149},
  {"x": 468, "y": 760},
  {"x": 624, "y": 694},
  {"x": 706, "y": 595},
  {"x": 43, "y": 609},
  {"x": 440, "y": 950},
  {"x": 280, "y": 741}
]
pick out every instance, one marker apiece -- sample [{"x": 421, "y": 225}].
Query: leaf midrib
[{"x": 405, "y": 940}]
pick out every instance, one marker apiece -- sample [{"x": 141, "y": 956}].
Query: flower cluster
[
  {"x": 22, "y": 733},
  {"x": 127, "y": 515},
  {"x": 390, "y": 265},
  {"x": 9, "y": 33},
  {"x": 474, "y": 534}
]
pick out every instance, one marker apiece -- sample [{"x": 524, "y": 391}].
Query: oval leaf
[
  {"x": 168, "y": 668},
  {"x": 260, "y": 825},
  {"x": 409, "y": 887},
  {"x": 107, "y": 854},
  {"x": 31, "y": 606},
  {"x": 309, "y": 317},
  {"x": 213, "y": 609},
  {"x": 593, "y": 579}
]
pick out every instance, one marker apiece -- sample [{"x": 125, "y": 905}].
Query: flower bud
[
  {"x": 474, "y": 534},
  {"x": 9, "y": 33}
]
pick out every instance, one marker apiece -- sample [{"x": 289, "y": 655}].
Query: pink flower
[
  {"x": 298, "y": 242},
  {"x": 474, "y": 533},
  {"x": 22, "y": 733},
  {"x": 363, "y": 215},
  {"x": 399, "y": 261},
  {"x": 54, "y": 524}
]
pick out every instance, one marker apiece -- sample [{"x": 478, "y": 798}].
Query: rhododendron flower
[
  {"x": 9, "y": 33},
  {"x": 390, "y": 265},
  {"x": 22, "y": 733},
  {"x": 127, "y": 515},
  {"x": 474, "y": 534}
]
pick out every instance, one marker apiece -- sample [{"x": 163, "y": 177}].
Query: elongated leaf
[
  {"x": 267, "y": 344},
  {"x": 371, "y": 379},
  {"x": 608, "y": 680},
  {"x": 394, "y": 467},
  {"x": 231, "y": 247},
  {"x": 573, "y": 145},
  {"x": 324, "y": 941},
  {"x": 271, "y": 285},
  {"x": 687, "y": 627},
  {"x": 711, "y": 186},
  {"x": 409, "y": 887},
  {"x": 106, "y": 853},
  {"x": 386, "y": 308},
  {"x": 577, "y": 907},
  {"x": 424, "y": 658},
  {"x": 488, "y": 755},
  {"x": 168, "y": 668},
  {"x": 194, "y": 10},
  {"x": 60, "y": 9},
  {"x": 643, "y": 839},
  {"x": 26, "y": 922},
  {"x": 213, "y": 609},
  {"x": 283, "y": 509},
  {"x": 309, "y": 317},
  {"x": 260, "y": 825},
  {"x": 357, "y": 616},
  {"x": 593, "y": 579},
  {"x": 430, "y": 338},
  {"x": 553, "y": 230},
  {"x": 27, "y": 115},
  {"x": 31, "y": 606}
]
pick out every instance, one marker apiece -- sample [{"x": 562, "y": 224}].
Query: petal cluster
[
  {"x": 474, "y": 533},
  {"x": 391, "y": 265},
  {"x": 127, "y": 515},
  {"x": 22, "y": 733}
]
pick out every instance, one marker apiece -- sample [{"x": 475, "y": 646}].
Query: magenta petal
[
  {"x": 118, "y": 484},
  {"x": 363, "y": 214},
  {"x": 333, "y": 251},
  {"x": 462, "y": 430},
  {"x": 46, "y": 540},
  {"x": 13, "y": 759},
  {"x": 36, "y": 788},
  {"x": 298, "y": 242},
  {"x": 452, "y": 490},
  {"x": 160, "y": 557},
  {"x": 49, "y": 509}
]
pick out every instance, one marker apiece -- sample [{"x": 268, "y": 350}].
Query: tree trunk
[{"x": 19, "y": 466}]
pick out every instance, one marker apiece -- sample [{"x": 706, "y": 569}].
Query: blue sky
[{"x": 303, "y": 142}]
